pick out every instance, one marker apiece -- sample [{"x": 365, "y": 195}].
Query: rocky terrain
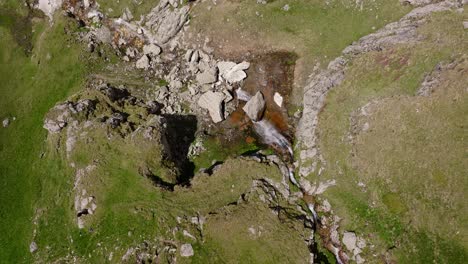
[{"x": 157, "y": 135}]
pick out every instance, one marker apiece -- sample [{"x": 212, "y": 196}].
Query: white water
[{"x": 271, "y": 135}]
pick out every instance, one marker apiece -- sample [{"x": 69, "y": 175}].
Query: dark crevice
[{"x": 177, "y": 136}]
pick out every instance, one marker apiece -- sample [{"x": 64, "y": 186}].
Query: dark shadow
[
  {"x": 157, "y": 181},
  {"x": 213, "y": 167},
  {"x": 177, "y": 135}
]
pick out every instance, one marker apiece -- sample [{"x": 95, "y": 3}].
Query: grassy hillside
[
  {"x": 32, "y": 82},
  {"x": 400, "y": 159}
]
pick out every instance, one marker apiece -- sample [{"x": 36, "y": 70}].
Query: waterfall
[{"x": 271, "y": 135}]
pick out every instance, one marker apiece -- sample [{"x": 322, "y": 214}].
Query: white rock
[
  {"x": 143, "y": 62},
  {"x": 6, "y": 122},
  {"x": 212, "y": 101},
  {"x": 235, "y": 76},
  {"x": 359, "y": 259},
  {"x": 465, "y": 24},
  {"x": 278, "y": 99},
  {"x": 33, "y": 247},
  {"x": 151, "y": 49},
  {"x": 255, "y": 106},
  {"x": 241, "y": 66},
  {"x": 285, "y": 7},
  {"x": 349, "y": 240},
  {"x": 232, "y": 72},
  {"x": 187, "y": 234},
  {"x": 208, "y": 76},
  {"x": 225, "y": 66},
  {"x": 186, "y": 250}
]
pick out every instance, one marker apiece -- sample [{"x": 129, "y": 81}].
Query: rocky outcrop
[
  {"x": 165, "y": 21},
  {"x": 255, "y": 107}
]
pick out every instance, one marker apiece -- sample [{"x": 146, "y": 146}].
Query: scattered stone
[
  {"x": 6, "y": 122},
  {"x": 187, "y": 234},
  {"x": 143, "y": 62},
  {"x": 208, "y": 76},
  {"x": 33, "y": 247},
  {"x": 232, "y": 72},
  {"x": 349, "y": 240},
  {"x": 255, "y": 107},
  {"x": 186, "y": 250},
  {"x": 103, "y": 34},
  {"x": 213, "y": 102},
  {"x": 195, "y": 57},
  {"x": 361, "y": 243},
  {"x": 278, "y": 99},
  {"x": 151, "y": 49}
]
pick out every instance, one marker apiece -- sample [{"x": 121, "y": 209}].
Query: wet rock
[
  {"x": 151, "y": 49},
  {"x": 213, "y": 102},
  {"x": 33, "y": 247},
  {"x": 208, "y": 76},
  {"x": 255, "y": 107},
  {"x": 6, "y": 122},
  {"x": 143, "y": 62},
  {"x": 186, "y": 250},
  {"x": 349, "y": 240}
]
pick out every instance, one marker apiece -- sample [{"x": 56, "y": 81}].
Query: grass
[
  {"x": 228, "y": 235},
  {"x": 216, "y": 151},
  {"x": 412, "y": 157},
  {"x": 116, "y": 8},
  {"x": 29, "y": 90}
]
